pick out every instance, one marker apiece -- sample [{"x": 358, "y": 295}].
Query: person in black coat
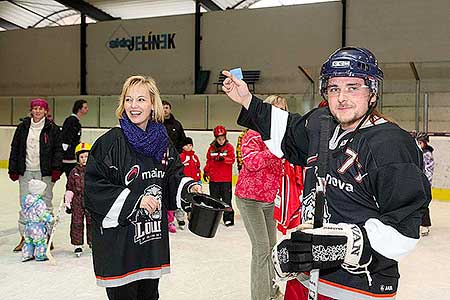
[
  {"x": 71, "y": 134},
  {"x": 36, "y": 153},
  {"x": 174, "y": 128}
]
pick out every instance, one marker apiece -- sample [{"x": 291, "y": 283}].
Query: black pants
[
  {"x": 144, "y": 289},
  {"x": 222, "y": 191},
  {"x": 426, "y": 220},
  {"x": 67, "y": 167}
]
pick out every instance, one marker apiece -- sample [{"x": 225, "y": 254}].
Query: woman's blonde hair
[
  {"x": 277, "y": 100},
  {"x": 157, "y": 114}
]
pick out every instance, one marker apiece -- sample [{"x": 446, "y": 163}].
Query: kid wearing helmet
[
  {"x": 374, "y": 189},
  {"x": 218, "y": 170},
  {"x": 74, "y": 200}
]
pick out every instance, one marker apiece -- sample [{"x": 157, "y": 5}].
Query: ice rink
[{"x": 202, "y": 269}]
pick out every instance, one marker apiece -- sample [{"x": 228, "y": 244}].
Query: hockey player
[
  {"x": 376, "y": 191},
  {"x": 133, "y": 176},
  {"x": 74, "y": 200}
]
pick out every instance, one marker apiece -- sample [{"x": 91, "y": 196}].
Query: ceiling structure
[{"x": 17, "y": 14}]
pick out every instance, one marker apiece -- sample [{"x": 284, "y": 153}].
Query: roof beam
[
  {"x": 210, "y": 5},
  {"x": 87, "y": 9},
  {"x": 8, "y": 25}
]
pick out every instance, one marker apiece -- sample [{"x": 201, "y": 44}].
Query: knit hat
[
  {"x": 39, "y": 102},
  {"x": 188, "y": 140},
  {"x": 36, "y": 187}
]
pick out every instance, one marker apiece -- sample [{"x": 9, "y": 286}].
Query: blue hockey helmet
[{"x": 351, "y": 62}]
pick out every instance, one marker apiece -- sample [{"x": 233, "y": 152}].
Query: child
[
  {"x": 218, "y": 170},
  {"x": 74, "y": 200},
  {"x": 428, "y": 168},
  {"x": 190, "y": 160},
  {"x": 191, "y": 164},
  {"x": 37, "y": 222}
]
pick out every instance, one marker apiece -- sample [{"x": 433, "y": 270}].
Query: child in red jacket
[
  {"x": 218, "y": 170},
  {"x": 192, "y": 169},
  {"x": 190, "y": 160}
]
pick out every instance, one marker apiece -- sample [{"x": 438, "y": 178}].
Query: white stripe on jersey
[
  {"x": 112, "y": 217},
  {"x": 388, "y": 241},
  {"x": 278, "y": 124}
]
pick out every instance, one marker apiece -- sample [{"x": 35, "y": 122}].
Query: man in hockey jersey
[
  {"x": 375, "y": 194},
  {"x": 133, "y": 176}
]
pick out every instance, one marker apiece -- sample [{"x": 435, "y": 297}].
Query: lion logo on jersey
[{"x": 147, "y": 226}]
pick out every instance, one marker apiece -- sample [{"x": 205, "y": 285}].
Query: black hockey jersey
[
  {"x": 374, "y": 181},
  {"x": 128, "y": 244}
]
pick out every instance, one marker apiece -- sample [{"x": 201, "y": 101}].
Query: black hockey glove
[{"x": 322, "y": 248}]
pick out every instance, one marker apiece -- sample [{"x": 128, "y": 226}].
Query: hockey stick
[
  {"x": 48, "y": 253},
  {"x": 320, "y": 195}
]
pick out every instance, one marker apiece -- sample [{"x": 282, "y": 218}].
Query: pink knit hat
[{"x": 39, "y": 102}]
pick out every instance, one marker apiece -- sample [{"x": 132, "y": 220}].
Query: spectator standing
[
  {"x": 256, "y": 189},
  {"x": 133, "y": 176},
  {"x": 71, "y": 134},
  {"x": 428, "y": 168},
  {"x": 36, "y": 153},
  {"x": 218, "y": 170},
  {"x": 177, "y": 136}
]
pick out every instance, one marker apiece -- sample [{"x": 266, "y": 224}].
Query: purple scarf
[{"x": 152, "y": 142}]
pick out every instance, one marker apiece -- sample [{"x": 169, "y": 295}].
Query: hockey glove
[{"x": 322, "y": 248}]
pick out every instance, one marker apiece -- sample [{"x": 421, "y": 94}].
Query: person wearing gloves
[
  {"x": 133, "y": 176},
  {"x": 375, "y": 192},
  {"x": 36, "y": 153},
  {"x": 74, "y": 200},
  {"x": 37, "y": 222},
  {"x": 218, "y": 170}
]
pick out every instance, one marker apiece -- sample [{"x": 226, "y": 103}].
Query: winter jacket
[
  {"x": 219, "y": 162},
  {"x": 260, "y": 176},
  {"x": 176, "y": 132},
  {"x": 191, "y": 164},
  {"x": 70, "y": 136},
  {"x": 50, "y": 150}
]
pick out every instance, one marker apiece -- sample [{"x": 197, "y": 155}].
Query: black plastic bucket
[{"x": 205, "y": 214}]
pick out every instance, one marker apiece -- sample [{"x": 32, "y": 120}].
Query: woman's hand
[
  {"x": 236, "y": 89},
  {"x": 150, "y": 203},
  {"x": 196, "y": 189}
]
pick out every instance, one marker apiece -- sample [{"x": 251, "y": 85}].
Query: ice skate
[
  {"x": 172, "y": 228},
  {"x": 424, "y": 231},
  {"x": 181, "y": 224},
  {"x": 78, "y": 251}
]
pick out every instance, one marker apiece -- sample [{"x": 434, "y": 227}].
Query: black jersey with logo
[
  {"x": 128, "y": 244},
  {"x": 374, "y": 181}
]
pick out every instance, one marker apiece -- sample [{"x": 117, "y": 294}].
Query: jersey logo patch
[
  {"x": 147, "y": 226},
  {"x": 132, "y": 174}
]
